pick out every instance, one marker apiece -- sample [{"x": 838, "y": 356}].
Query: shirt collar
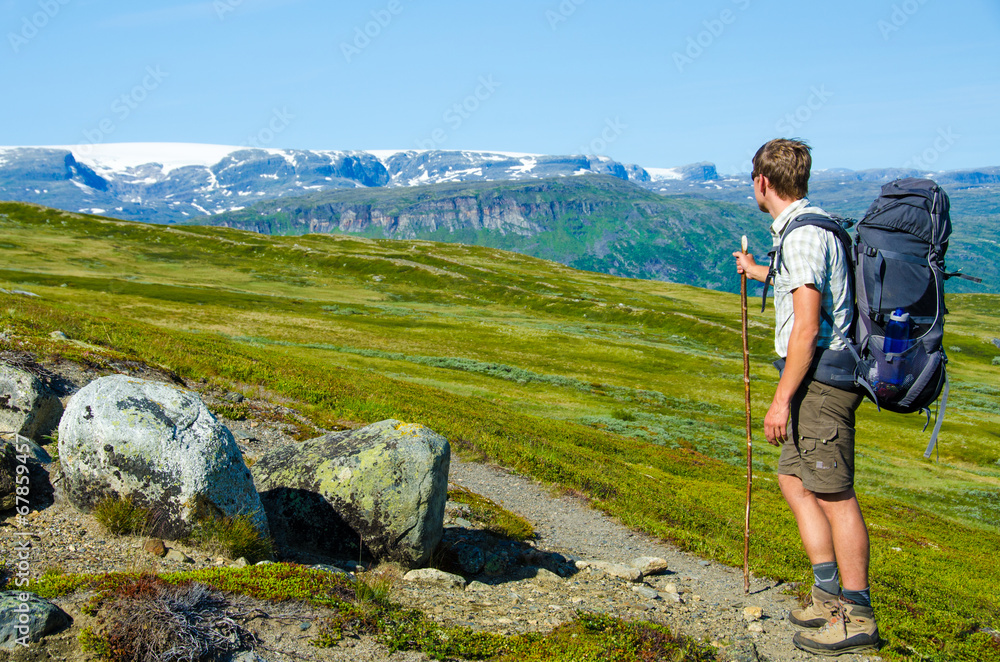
[{"x": 786, "y": 215}]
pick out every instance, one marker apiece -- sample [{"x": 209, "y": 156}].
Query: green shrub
[
  {"x": 233, "y": 537},
  {"x": 122, "y": 517}
]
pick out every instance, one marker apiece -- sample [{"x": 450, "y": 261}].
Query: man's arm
[{"x": 806, "y": 303}]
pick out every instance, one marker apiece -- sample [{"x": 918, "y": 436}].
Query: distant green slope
[
  {"x": 604, "y": 224},
  {"x": 595, "y": 223},
  {"x": 627, "y": 391}
]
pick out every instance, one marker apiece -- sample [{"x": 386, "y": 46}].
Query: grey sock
[
  {"x": 862, "y": 598},
  {"x": 827, "y": 577}
]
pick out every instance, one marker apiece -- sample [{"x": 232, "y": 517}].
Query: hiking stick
[{"x": 746, "y": 385}]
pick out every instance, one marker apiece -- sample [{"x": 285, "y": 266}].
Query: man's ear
[{"x": 763, "y": 184}]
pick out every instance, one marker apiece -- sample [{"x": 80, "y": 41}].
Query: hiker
[{"x": 816, "y": 467}]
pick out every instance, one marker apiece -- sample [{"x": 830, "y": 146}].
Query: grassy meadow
[{"x": 627, "y": 391}]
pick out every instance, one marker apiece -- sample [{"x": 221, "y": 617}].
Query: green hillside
[
  {"x": 596, "y": 223},
  {"x": 600, "y": 223},
  {"x": 627, "y": 391}
]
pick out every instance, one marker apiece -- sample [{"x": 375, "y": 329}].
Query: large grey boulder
[
  {"x": 384, "y": 485},
  {"x": 26, "y": 618},
  {"x": 159, "y": 445},
  {"x": 26, "y": 406}
]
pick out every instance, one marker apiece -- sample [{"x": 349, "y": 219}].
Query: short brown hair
[{"x": 786, "y": 164}]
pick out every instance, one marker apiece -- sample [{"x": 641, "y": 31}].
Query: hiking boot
[
  {"x": 850, "y": 630},
  {"x": 824, "y": 605}
]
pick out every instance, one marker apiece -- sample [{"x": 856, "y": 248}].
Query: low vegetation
[
  {"x": 627, "y": 392},
  {"x": 122, "y": 517},
  {"x": 187, "y": 615},
  {"x": 233, "y": 537},
  {"x": 492, "y": 516}
]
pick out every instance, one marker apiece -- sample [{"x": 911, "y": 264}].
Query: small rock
[
  {"x": 240, "y": 563},
  {"x": 673, "y": 597},
  {"x": 755, "y": 627},
  {"x": 435, "y": 576},
  {"x": 543, "y": 575},
  {"x": 305, "y": 625},
  {"x": 751, "y": 614},
  {"x": 477, "y": 586},
  {"x": 58, "y": 335},
  {"x": 647, "y": 592},
  {"x": 154, "y": 546},
  {"x": 178, "y": 556},
  {"x": 463, "y": 523},
  {"x": 618, "y": 570},
  {"x": 581, "y": 564},
  {"x": 650, "y": 565},
  {"x": 671, "y": 588},
  {"x": 704, "y": 564},
  {"x": 696, "y": 597}
]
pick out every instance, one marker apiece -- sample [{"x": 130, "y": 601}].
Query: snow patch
[{"x": 662, "y": 174}]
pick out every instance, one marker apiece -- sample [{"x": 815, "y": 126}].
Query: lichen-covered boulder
[
  {"x": 25, "y": 618},
  {"x": 158, "y": 445},
  {"x": 26, "y": 406},
  {"x": 384, "y": 485}
]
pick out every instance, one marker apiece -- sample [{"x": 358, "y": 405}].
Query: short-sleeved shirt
[{"x": 810, "y": 255}]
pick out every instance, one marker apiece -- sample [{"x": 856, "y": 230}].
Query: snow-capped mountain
[{"x": 171, "y": 182}]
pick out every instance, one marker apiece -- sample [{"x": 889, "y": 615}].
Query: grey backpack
[{"x": 898, "y": 255}]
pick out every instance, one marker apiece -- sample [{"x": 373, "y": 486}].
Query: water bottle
[{"x": 897, "y": 341}]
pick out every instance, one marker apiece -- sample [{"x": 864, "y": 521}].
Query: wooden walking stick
[{"x": 746, "y": 384}]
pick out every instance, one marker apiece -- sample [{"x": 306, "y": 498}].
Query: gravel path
[{"x": 715, "y": 610}]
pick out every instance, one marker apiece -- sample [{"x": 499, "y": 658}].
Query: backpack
[{"x": 898, "y": 263}]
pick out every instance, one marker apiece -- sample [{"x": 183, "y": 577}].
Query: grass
[
  {"x": 122, "y": 517},
  {"x": 492, "y": 516},
  {"x": 233, "y": 537},
  {"x": 629, "y": 392}
]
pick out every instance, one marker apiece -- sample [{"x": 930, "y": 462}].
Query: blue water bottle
[{"x": 897, "y": 341}]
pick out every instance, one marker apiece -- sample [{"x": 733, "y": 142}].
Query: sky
[{"x": 868, "y": 83}]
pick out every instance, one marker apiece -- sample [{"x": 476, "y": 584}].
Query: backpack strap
[
  {"x": 940, "y": 418},
  {"x": 834, "y": 224}
]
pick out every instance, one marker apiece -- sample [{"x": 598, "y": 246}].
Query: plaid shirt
[{"x": 810, "y": 255}]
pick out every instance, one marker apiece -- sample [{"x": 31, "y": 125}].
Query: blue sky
[{"x": 874, "y": 83}]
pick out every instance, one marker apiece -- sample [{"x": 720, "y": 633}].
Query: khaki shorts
[{"x": 820, "y": 446}]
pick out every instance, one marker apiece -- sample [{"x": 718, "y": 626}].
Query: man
[{"x": 816, "y": 467}]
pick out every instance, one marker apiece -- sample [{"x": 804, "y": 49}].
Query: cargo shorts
[{"x": 820, "y": 447}]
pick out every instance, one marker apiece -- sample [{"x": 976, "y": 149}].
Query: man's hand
[
  {"x": 746, "y": 264},
  {"x": 776, "y": 423}
]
